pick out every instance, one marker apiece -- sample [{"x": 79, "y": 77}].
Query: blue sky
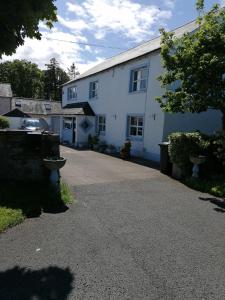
[{"x": 109, "y": 23}]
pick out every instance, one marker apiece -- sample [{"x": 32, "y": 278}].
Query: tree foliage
[
  {"x": 20, "y": 19},
  {"x": 196, "y": 62},
  {"x": 4, "y": 122},
  {"x": 54, "y": 77},
  {"x": 25, "y": 77},
  {"x": 28, "y": 81}
]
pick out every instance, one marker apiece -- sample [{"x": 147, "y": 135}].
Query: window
[
  {"x": 135, "y": 126},
  {"x": 48, "y": 106},
  {"x": 67, "y": 123},
  {"x": 93, "y": 89},
  {"x": 101, "y": 122},
  {"x": 138, "y": 79},
  {"x": 72, "y": 93},
  {"x": 18, "y": 104}
]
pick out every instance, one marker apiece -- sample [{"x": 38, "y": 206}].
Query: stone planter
[
  {"x": 176, "y": 172},
  {"x": 54, "y": 164},
  {"x": 196, "y": 160}
]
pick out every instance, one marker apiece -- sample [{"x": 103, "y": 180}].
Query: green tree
[
  {"x": 20, "y": 19},
  {"x": 4, "y": 122},
  {"x": 54, "y": 77},
  {"x": 25, "y": 77},
  {"x": 196, "y": 62}
]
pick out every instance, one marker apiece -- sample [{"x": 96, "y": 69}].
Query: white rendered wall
[
  {"x": 15, "y": 123},
  {"x": 116, "y": 103}
]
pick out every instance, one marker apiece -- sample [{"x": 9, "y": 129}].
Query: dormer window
[
  {"x": 72, "y": 93},
  {"x": 18, "y": 104},
  {"x": 48, "y": 106}
]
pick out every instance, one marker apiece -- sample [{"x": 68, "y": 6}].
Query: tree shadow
[
  {"x": 31, "y": 198},
  {"x": 220, "y": 203},
  {"x": 24, "y": 284}
]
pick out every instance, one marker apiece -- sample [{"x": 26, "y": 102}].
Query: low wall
[{"x": 21, "y": 155}]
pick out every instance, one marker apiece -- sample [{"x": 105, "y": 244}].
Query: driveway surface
[{"x": 132, "y": 233}]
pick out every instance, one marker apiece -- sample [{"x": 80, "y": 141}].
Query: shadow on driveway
[
  {"x": 219, "y": 202},
  {"x": 23, "y": 284},
  {"x": 31, "y": 198}
]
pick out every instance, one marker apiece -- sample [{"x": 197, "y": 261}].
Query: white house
[{"x": 116, "y": 99}]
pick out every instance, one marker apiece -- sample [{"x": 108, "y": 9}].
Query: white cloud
[
  {"x": 77, "y": 9},
  {"x": 75, "y": 25},
  {"x": 99, "y": 18},
  {"x": 170, "y": 3},
  {"x": 40, "y": 52},
  {"x": 133, "y": 20}
]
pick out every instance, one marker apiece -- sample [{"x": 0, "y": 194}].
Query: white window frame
[
  {"x": 136, "y": 126},
  {"x": 72, "y": 93},
  {"x": 93, "y": 89},
  {"x": 140, "y": 79},
  {"x": 101, "y": 125}
]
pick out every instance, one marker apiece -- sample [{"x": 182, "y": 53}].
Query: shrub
[
  {"x": 4, "y": 122},
  {"x": 183, "y": 145},
  {"x": 125, "y": 150},
  {"x": 219, "y": 143}
]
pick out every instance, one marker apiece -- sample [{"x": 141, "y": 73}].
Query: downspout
[{"x": 145, "y": 107}]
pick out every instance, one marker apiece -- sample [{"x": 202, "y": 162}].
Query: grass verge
[
  {"x": 214, "y": 187},
  {"x": 19, "y": 201}
]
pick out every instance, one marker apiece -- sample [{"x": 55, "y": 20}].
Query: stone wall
[{"x": 21, "y": 155}]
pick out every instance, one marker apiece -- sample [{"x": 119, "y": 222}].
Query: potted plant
[
  {"x": 125, "y": 150},
  {"x": 95, "y": 142},
  {"x": 102, "y": 146},
  {"x": 90, "y": 141},
  {"x": 111, "y": 149}
]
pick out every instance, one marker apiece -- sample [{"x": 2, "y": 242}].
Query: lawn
[{"x": 20, "y": 201}]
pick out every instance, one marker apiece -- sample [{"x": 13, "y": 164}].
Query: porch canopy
[{"x": 76, "y": 109}]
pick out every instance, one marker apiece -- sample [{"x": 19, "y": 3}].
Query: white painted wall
[
  {"x": 116, "y": 103},
  {"x": 15, "y": 123}
]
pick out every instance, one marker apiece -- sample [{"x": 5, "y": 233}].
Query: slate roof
[
  {"x": 135, "y": 52},
  {"x": 16, "y": 113},
  {"x": 38, "y": 107},
  {"x": 5, "y": 90},
  {"x": 80, "y": 108}
]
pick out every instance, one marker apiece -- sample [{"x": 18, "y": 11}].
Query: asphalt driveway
[{"x": 132, "y": 233}]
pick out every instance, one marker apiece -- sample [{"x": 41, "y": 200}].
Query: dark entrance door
[{"x": 74, "y": 130}]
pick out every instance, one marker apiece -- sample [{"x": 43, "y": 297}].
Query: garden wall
[{"x": 21, "y": 155}]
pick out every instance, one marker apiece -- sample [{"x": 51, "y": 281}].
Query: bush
[
  {"x": 183, "y": 145},
  {"x": 219, "y": 143},
  {"x": 4, "y": 122},
  {"x": 125, "y": 150}
]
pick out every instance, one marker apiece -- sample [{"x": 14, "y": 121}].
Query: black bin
[{"x": 165, "y": 164}]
